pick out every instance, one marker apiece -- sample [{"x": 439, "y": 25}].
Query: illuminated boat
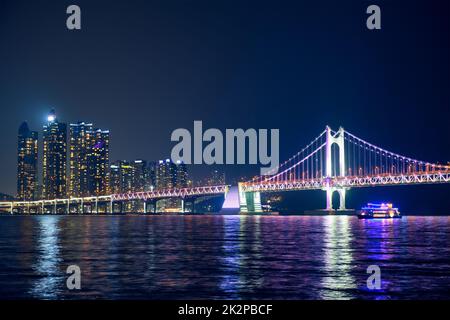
[{"x": 379, "y": 211}]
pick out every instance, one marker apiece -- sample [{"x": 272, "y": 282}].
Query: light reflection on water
[
  {"x": 338, "y": 258},
  {"x": 224, "y": 257},
  {"x": 50, "y": 279}
]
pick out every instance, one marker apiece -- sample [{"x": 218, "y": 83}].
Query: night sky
[{"x": 144, "y": 68}]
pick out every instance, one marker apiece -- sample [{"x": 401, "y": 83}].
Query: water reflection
[
  {"x": 242, "y": 257},
  {"x": 217, "y": 257},
  {"x": 379, "y": 246},
  {"x": 50, "y": 280},
  {"x": 231, "y": 258},
  {"x": 338, "y": 281}
]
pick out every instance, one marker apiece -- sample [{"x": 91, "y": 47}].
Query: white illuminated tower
[{"x": 337, "y": 139}]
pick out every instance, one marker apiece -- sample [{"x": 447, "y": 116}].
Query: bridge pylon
[{"x": 338, "y": 139}]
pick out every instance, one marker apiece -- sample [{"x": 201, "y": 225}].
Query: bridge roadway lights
[{"x": 108, "y": 202}]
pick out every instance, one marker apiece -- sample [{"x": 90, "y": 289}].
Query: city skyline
[{"x": 76, "y": 164}]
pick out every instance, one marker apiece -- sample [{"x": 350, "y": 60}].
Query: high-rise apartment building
[
  {"x": 181, "y": 175},
  {"x": 80, "y": 142},
  {"x": 151, "y": 175},
  {"x": 166, "y": 174},
  {"x": 122, "y": 177},
  {"x": 114, "y": 178},
  {"x": 170, "y": 175},
  {"x": 98, "y": 160},
  {"x": 89, "y": 161},
  {"x": 54, "y": 158},
  {"x": 139, "y": 175},
  {"x": 27, "y": 163}
]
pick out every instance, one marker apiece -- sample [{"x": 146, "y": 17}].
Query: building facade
[
  {"x": 170, "y": 175},
  {"x": 54, "y": 171},
  {"x": 79, "y": 135},
  {"x": 121, "y": 177},
  {"x": 27, "y": 164},
  {"x": 88, "y": 161},
  {"x": 140, "y": 175},
  {"x": 166, "y": 175},
  {"x": 98, "y": 160},
  {"x": 151, "y": 175},
  {"x": 181, "y": 175},
  {"x": 122, "y": 181},
  {"x": 114, "y": 171}
]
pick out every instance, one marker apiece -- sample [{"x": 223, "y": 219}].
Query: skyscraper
[
  {"x": 123, "y": 171},
  {"x": 98, "y": 159},
  {"x": 181, "y": 175},
  {"x": 121, "y": 181},
  {"x": 27, "y": 160},
  {"x": 151, "y": 176},
  {"x": 139, "y": 175},
  {"x": 114, "y": 178},
  {"x": 54, "y": 158},
  {"x": 166, "y": 175},
  {"x": 89, "y": 161},
  {"x": 80, "y": 142},
  {"x": 170, "y": 175}
]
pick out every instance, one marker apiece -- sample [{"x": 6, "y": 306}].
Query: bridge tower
[{"x": 337, "y": 139}]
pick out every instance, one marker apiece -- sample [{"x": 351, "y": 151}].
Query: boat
[{"x": 379, "y": 211}]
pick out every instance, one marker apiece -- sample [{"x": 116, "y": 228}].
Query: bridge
[
  {"x": 93, "y": 203},
  {"x": 336, "y": 161}
]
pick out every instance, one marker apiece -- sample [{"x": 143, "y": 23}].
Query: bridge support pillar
[
  {"x": 342, "y": 199},
  {"x": 249, "y": 202},
  {"x": 329, "y": 192},
  {"x": 342, "y": 193}
]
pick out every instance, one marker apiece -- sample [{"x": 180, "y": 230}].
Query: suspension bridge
[{"x": 335, "y": 161}]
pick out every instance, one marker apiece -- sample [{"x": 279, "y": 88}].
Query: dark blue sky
[{"x": 145, "y": 68}]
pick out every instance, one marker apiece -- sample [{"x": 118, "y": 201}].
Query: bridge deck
[
  {"x": 156, "y": 194},
  {"x": 350, "y": 182}
]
